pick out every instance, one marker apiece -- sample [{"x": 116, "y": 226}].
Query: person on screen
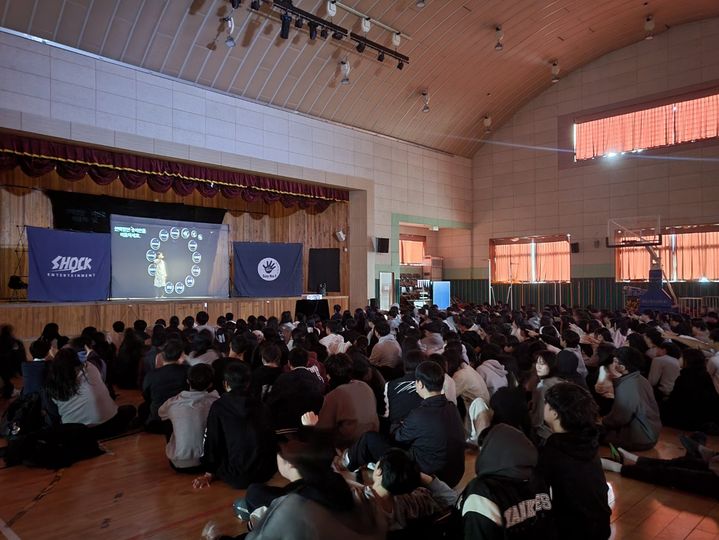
[{"x": 160, "y": 275}]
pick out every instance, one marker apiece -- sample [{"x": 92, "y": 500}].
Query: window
[
  {"x": 652, "y": 127},
  {"x": 686, "y": 256},
  {"x": 411, "y": 249},
  {"x": 529, "y": 260}
]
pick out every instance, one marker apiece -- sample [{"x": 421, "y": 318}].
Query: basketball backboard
[{"x": 634, "y": 231}]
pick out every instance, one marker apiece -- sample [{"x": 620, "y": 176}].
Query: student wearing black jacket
[
  {"x": 694, "y": 403},
  {"x": 432, "y": 433},
  {"x": 240, "y": 444},
  {"x": 571, "y": 466},
  {"x": 507, "y": 499},
  {"x": 163, "y": 383},
  {"x": 400, "y": 396}
]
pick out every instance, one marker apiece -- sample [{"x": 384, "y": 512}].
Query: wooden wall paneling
[{"x": 23, "y": 203}]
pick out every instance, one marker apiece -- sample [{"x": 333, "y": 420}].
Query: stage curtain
[
  {"x": 37, "y": 157},
  {"x": 512, "y": 263},
  {"x": 664, "y": 125},
  {"x": 411, "y": 251},
  {"x": 552, "y": 260},
  {"x": 697, "y": 255}
]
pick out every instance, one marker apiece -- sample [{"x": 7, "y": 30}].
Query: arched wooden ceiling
[{"x": 451, "y": 53}]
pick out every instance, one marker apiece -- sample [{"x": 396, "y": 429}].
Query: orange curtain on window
[
  {"x": 698, "y": 119},
  {"x": 683, "y": 121},
  {"x": 411, "y": 251},
  {"x": 511, "y": 263},
  {"x": 697, "y": 255},
  {"x": 633, "y": 263},
  {"x": 552, "y": 259}
]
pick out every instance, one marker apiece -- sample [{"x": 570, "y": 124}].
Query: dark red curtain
[{"x": 73, "y": 162}]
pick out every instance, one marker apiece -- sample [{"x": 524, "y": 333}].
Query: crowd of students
[{"x": 401, "y": 394}]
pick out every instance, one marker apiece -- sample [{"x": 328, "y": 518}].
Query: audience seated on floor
[{"x": 521, "y": 377}]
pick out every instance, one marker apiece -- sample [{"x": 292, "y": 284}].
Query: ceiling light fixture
[
  {"x": 396, "y": 39},
  {"x": 235, "y": 3},
  {"x": 345, "y": 69},
  {"x": 499, "y": 36},
  {"x": 312, "y": 26},
  {"x": 366, "y": 24},
  {"x": 255, "y": 4},
  {"x": 555, "y": 71},
  {"x": 337, "y": 35},
  {"x": 286, "y": 19},
  {"x": 299, "y": 23},
  {"x": 421, "y": 3},
  {"x": 425, "y": 97},
  {"x": 230, "y": 24},
  {"x": 649, "y": 27},
  {"x": 361, "y": 47},
  {"x": 487, "y": 121},
  {"x": 331, "y": 8},
  {"x": 400, "y": 65},
  {"x": 324, "y": 33},
  {"x": 230, "y": 41},
  {"x": 380, "y": 57}
]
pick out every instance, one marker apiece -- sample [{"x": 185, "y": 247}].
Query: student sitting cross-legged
[
  {"x": 239, "y": 442},
  {"x": 188, "y": 412}
]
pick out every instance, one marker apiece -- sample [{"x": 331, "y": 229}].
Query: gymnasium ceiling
[{"x": 451, "y": 53}]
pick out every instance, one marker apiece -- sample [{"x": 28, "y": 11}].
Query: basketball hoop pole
[{"x": 489, "y": 282}]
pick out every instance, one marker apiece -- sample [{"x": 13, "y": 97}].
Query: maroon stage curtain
[{"x": 37, "y": 157}]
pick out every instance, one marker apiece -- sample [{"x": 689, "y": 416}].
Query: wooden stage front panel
[{"x": 28, "y": 319}]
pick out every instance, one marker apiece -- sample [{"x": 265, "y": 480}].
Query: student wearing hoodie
[
  {"x": 319, "y": 504},
  {"x": 491, "y": 369},
  {"x": 239, "y": 441},
  {"x": 634, "y": 421},
  {"x": 570, "y": 464},
  {"x": 187, "y": 412},
  {"x": 507, "y": 499}
]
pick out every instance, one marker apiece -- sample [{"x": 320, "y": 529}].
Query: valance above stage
[{"x": 37, "y": 157}]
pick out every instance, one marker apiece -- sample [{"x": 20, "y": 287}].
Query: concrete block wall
[{"x": 523, "y": 191}]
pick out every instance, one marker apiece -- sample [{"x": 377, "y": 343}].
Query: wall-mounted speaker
[
  {"x": 382, "y": 245},
  {"x": 574, "y": 247}
]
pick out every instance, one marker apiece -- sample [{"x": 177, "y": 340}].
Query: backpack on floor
[
  {"x": 52, "y": 448},
  {"x": 25, "y": 415}
]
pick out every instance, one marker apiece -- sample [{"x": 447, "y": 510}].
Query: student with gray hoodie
[{"x": 188, "y": 412}]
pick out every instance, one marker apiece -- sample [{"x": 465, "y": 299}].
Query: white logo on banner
[
  {"x": 71, "y": 264},
  {"x": 268, "y": 269}
]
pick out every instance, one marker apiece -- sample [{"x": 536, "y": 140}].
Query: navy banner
[
  {"x": 68, "y": 266},
  {"x": 267, "y": 270}
]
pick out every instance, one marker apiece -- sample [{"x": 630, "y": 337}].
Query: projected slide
[{"x": 156, "y": 258}]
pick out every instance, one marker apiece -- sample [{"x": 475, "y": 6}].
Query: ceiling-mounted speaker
[
  {"x": 382, "y": 245},
  {"x": 341, "y": 236}
]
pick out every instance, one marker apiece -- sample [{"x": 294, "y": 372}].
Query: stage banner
[
  {"x": 267, "y": 270},
  {"x": 67, "y": 266}
]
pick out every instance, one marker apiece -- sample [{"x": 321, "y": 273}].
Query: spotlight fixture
[
  {"x": 230, "y": 41},
  {"x": 425, "y": 97},
  {"x": 361, "y": 47},
  {"x": 487, "y": 121},
  {"x": 324, "y": 33},
  {"x": 230, "y": 23},
  {"x": 312, "y": 26},
  {"x": 499, "y": 36},
  {"x": 285, "y": 29},
  {"x": 366, "y": 24},
  {"x": 337, "y": 35},
  {"x": 299, "y": 23},
  {"x": 380, "y": 57},
  {"x": 421, "y": 3},
  {"x": 400, "y": 65},
  {"x": 555, "y": 71},
  {"x": 255, "y": 4},
  {"x": 345, "y": 69},
  {"x": 235, "y": 3},
  {"x": 396, "y": 39},
  {"x": 649, "y": 27}
]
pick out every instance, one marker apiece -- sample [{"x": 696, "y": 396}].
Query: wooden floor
[{"x": 131, "y": 493}]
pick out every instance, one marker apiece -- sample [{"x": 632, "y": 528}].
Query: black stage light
[
  {"x": 380, "y": 56},
  {"x": 285, "y": 30},
  {"x": 235, "y": 3},
  {"x": 255, "y": 4},
  {"x": 299, "y": 23},
  {"x": 337, "y": 35},
  {"x": 313, "y": 29},
  {"x": 400, "y": 65},
  {"x": 324, "y": 33},
  {"x": 361, "y": 46}
]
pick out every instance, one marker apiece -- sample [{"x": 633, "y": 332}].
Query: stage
[{"x": 28, "y": 318}]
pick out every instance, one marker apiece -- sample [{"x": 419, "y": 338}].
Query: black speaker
[
  {"x": 574, "y": 247},
  {"x": 382, "y": 245}
]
